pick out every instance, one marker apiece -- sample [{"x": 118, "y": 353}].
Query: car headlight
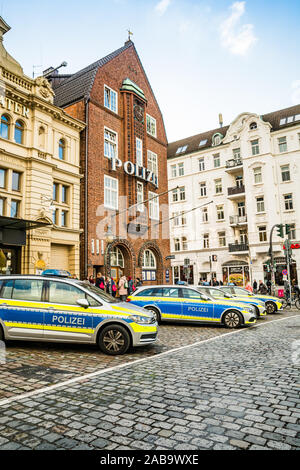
[
  {"x": 250, "y": 309},
  {"x": 142, "y": 320}
]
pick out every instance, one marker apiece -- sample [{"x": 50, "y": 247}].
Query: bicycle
[{"x": 288, "y": 303}]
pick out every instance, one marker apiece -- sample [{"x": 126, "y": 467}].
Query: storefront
[
  {"x": 236, "y": 272},
  {"x": 280, "y": 266},
  {"x": 183, "y": 273}
]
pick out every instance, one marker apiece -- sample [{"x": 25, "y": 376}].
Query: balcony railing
[
  {"x": 233, "y": 247},
  {"x": 236, "y": 190},
  {"x": 234, "y": 162},
  {"x": 237, "y": 219}
]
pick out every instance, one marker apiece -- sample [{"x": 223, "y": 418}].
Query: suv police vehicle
[{"x": 48, "y": 308}]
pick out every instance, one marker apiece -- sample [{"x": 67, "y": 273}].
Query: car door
[
  {"x": 22, "y": 309},
  {"x": 194, "y": 307},
  {"x": 65, "y": 319},
  {"x": 170, "y": 304}
]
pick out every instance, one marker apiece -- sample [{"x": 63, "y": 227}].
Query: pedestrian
[
  {"x": 108, "y": 285},
  {"x": 100, "y": 281},
  {"x": 269, "y": 285},
  {"x": 262, "y": 288},
  {"x": 255, "y": 286},
  {"x": 249, "y": 288},
  {"x": 123, "y": 288},
  {"x": 139, "y": 283},
  {"x": 113, "y": 288},
  {"x": 91, "y": 280},
  {"x": 131, "y": 286}
]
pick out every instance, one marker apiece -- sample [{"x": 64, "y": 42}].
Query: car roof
[{"x": 40, "y": 277}]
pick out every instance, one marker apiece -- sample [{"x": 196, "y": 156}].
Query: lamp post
[{"x": 109, "y": 238}]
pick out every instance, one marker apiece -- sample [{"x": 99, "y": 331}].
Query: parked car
[
  {"x": 49, "y": 308},
  {"x": 188, "y": 303},
  {"x": 273, "y": 304},
  {"x": 216, "y": 293}
]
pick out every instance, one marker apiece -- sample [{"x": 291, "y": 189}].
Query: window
[
  {"x": 19, "y": 132},
  {"x": 253, "y": 125},
  {"x": 149, "y": 260},
  {"x": 180, "y": 169},
  {"x": 202, "y": 142},
  {"x": 153, "y": 206},
  {"x": 203, "y": 189},
  {"x": 54, "y": 216},
  {"x": 178, "y": 194},
  {"x": 176, "y": 244},
  {"x": 140, "y": 196},
  {"x": 260, "y": 204},
  {"x": 110, "y": 192},
  {"x": 28, "y": 290},
  {"x": 241, "y": 209},
  {"x": 257, "y": 175},
  {"x": 205, "y": 214},
  {"x": 14, "y": 208},
  {"x": 217, "y": 161},
  {"x": 243, "y": 236},
  {"x": 282, "y": 144},
  {"x": 181, "y": 149},
  {"x": 63, "y": 293},
  {"x": 116, "y": 257},
  {"x": 4, "y": 127},
  {"x": 206, "y": 240},
  {"x": 110, "y": 144},
  {"x": 293, "y": 231},
  {"x": 285, "y": 173},
  {"x": 2, "y": 201},
  {"x": 239, "y": 181},
  {"x": 110, "y": 99},
  {"x": 218, "y": 186},
  {"x": 173, "y": 171},
  {"x": 201, "y": 164},
  {"x": 55, "y": 191},
  {"x": 171, "y": 292},
  {"x": 61, "y": 149},
  {"x": 2, "y": 178},
  {"x": 222, "y": 238},
  {"x": 151, "y": 125},
  {"x": 288, "y": 202},
  {"x": 152, "y": 162},
  {"x": 220, "y": 212},
  {"x": 255, "y": 147},
  {"x": 179, "y": 219},
  {"x": 262, "y": 233},
  {"x": 191, "y": 294},
  {"x": 64, "y": 194},
  {"x": 184, "y": 243},
  {"x": 216, "y": 139},
  {"x": 139, "y": 151},
  {"x": 15, "y": 185},
  {"x": 64, "y": 218},
  {"x": 236, "y": 154}
]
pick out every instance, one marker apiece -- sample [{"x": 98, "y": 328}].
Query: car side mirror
[
  {"x": 83, "y": 303},
  {"x": 204, "y": 297}
]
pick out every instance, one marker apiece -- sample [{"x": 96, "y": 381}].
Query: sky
[{"x": 202, "y": 57}]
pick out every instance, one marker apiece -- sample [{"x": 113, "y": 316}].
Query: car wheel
[
  {"x": 1, "y": 334},
  {"x": 232, "y": 319},
  {"x": 155, "y": 313},
  {"x": 270, "y": 307},
  {"x": 256, "y": 310},
  {"x": 114, "y": 339}
]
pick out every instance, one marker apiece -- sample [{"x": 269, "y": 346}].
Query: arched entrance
[
  {"x": 151, "y": 263},
  {"x": 119, "y": 260}
]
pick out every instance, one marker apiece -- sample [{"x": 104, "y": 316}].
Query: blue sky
[{"x": 202, "y": 57}]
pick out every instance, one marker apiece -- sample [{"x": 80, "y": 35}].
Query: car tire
[
  {"x": 257, "y": 314},
  {"x": 270, "y": 307},
  {"x": 232, "y": 319},
  {"x": 155, "y": 312},
  {"x": 1, "y": 334},
  {"x": 113, "y": 340}
]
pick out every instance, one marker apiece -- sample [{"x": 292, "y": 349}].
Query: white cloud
[
  {"x": 296, "y": 92},
  {"x": 162, "y": 6},
  {"x": 237, "y": 40}
]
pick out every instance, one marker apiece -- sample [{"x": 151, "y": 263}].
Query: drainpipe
[{"x": 86, "y": 190}]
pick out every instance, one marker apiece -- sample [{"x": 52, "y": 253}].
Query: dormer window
[
  {"x": 253, "y": 125},
  {"x": 216, "y": 140}
]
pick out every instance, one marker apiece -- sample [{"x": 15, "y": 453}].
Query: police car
[
  {"x": 216, "y": 293},
  {"x": 45, "y": 308},
  {"x": 273, "y": 304},
  {"x": 188, "y": 303}
]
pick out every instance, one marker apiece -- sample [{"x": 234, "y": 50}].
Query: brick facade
[{"x": 95, "y": 219}]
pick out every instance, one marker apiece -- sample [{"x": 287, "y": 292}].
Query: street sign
[
  {"x": 170, "y": 257},
  {"x": 284, "y": 277},
  {"x": 284, "y": 272}
]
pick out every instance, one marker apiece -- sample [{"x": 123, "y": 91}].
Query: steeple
[{"x": 6, "y": 60}]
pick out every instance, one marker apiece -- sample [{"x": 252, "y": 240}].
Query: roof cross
[{"x": 129, "y": 34}]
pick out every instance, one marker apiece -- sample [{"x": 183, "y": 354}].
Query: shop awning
[{"x": 20, "y": 224}]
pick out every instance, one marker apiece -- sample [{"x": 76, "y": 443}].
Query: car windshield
[{"x": 99, "y": 292}]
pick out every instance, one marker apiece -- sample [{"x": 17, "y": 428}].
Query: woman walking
[{"x": 123, "y": 288}]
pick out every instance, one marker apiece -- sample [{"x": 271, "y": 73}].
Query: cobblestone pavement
[
  {"x": 236, "y": 391},
  {"x": 31, "y": 365}
]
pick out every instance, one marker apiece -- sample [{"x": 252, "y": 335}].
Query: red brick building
[{"x": 124, "y": 165}]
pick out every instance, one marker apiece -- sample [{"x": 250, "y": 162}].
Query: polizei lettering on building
[{"x": 135, "y": 170}]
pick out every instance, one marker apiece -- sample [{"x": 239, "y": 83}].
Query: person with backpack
[
  {"x": 123, "y": 288},
  {"x": 100, "y": 281},
  {"x": 131, "y": 286},
  {"x": 113, "y": 288}
]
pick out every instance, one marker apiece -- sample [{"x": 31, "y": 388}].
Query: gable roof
[
  {"x": 79, "y": 85},
  {"x": 193, "y": 142}
]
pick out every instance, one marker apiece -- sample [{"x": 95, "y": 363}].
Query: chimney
[{"x": 221, "y": 120}]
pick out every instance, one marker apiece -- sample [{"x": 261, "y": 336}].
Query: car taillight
[{"x": 128, "y": 300}]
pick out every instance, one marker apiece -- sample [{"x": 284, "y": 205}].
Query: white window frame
[
  {"x": 139, "y": 151},
  {"x": 140, "y": 196},
  {"x": 173, "y": 171},
  {"x": 220, "y": 211},
  {"x": 218, "y": 186},
  {"x": 111, "y": 91},
  {"x": 150, "y": 122},
  {"x": 152, "y": 162},
  {"x": 289, "y": 202},
  {"x": 222, "y": 238},
  {"x": 282, "y": 144},
  {"x": 286, "y": 171},
  {"x": 181, "y": 169},
  {"x": 262, "y": 234},
  {"x": 153, "y": 206},
  {"x": 203, "y": 189},
  {"x": 257, "y": 173},
  {"x": 260, "y": 205},
  {"x": 108, "y": 188},
  {"x": 206, "y": 240},
  {"x": 217, "y": 160},
  {"x": 201, "y": 164},
  {"x": 255, "y": 147},
  {"x": 148, "y": 257},
  {"x": 111, "y": 143}
]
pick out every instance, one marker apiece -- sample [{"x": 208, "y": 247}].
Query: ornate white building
[{"x": 246, "y": 178}]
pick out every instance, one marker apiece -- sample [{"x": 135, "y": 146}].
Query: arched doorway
[
  {"x": 151, "y": 263},
  {"x": 119, "y": 260},
  {"x": 117, "y": 263}
]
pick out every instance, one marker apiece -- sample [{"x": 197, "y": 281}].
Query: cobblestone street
[{"x": 234, "y": 391}]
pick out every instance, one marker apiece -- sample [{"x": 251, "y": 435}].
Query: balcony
[
  {"x": 234, "y": 164},
  {"x": 236, "y": 190},
  {"x": 237, "y": 220},
  {"x": 238, "y": 247}
]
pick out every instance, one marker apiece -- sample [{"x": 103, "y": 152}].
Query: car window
[
  {"x": 27, "y": 289},
  {"x": 170, "y": 292},
  {"x": 63, "y": 293},
  {"x": 191, "y": 294},
  {"x": 93, "y": 302},
  {"x": 100, "y": 293},
  {"x": 216, "y": 294},
  {"x": 7, "y": 288},
  {"x": 144, "y": 293},
  {"x": 227, "y": 289},
  {"x": 240, "y": 291}
]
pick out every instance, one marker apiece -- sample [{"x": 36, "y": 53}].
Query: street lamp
[{"x": 109, "y": 238}]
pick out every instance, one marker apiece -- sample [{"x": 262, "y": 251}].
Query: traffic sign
[{"x": 284, "y": 272}]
